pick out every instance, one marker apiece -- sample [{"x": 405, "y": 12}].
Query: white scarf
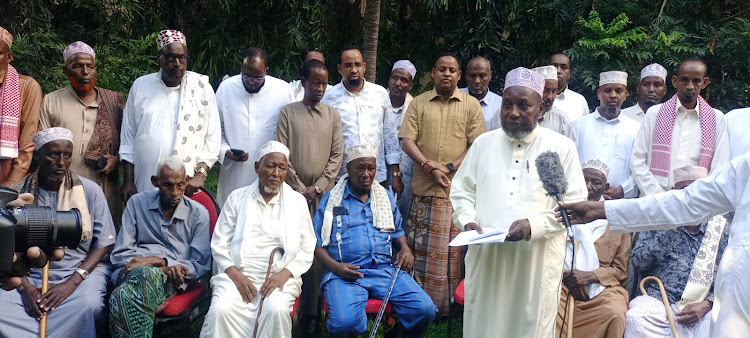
[
  {"x": 379, "y": 202},
  {"x": 702, "y": 274},
  {"x": 192, "y": 119},
  {"x": 290, "y": 236},
  {"x": 587, "y": 259}
]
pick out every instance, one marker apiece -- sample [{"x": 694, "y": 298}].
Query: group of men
[{"x": 328, "y": 174}]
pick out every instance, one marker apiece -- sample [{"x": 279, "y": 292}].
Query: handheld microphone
[{"x": 553, "y": 179}]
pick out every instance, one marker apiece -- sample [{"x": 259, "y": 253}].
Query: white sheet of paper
[{"x": 490, "y": 235}]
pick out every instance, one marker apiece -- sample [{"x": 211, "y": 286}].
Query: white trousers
[
  {"x": 230, "y": 316},
  {"x": 731, "y": 311},
  {"x": 647, "y": 318}
]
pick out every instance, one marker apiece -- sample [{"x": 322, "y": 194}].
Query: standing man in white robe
[
  {"x": 169, "y": 113},
  {"x": 684, "y": 131},
  {"x": 256, "y": 219},
  {"x": 607, "y": 135},
  {"x": 570, "y": 102},
  {"x": 728, "y": 189},
  {"x": 249, "y": 105},
  {"x": 651, "y": 89},
  {"x": 513, "y": 288},
  {"x": 739, "y": 138}
]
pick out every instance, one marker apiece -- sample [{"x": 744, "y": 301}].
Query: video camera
[{"x": 29, "y": 225}]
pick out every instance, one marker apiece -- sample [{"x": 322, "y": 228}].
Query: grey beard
[
  {"x": 517, "y": 134},
  {"x": 611, "y": 111},
  {"x": 268, "y": 190}
]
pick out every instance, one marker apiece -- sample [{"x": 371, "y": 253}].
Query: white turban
[
  {"x": 52, "y": 134},
  {"x": 362, "y": 150},
  {"x": 596, "y": 165},
  {"x": 78, "y": 47},
  {"x": 613, "y": 77},
  {"x": 273, "y": 147},
  {"x": 525, "y": 77},
  {"x": 689, "y": 173},
  {"x": 654, "y": 69},
  {"x": 407, "y": 66},
  {"x": 168, "y": 36},
  {"x": 549, "y": 72}
]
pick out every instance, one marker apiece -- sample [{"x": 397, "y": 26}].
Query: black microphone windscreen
[{"x": 551, "y": 173}]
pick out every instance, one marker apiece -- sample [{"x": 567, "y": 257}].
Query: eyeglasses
[
  {"x": 169, "y": 57},
  {"x": 253, "y": 79}
]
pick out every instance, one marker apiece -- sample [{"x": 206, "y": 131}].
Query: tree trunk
[{"x": 370, "y": 48}]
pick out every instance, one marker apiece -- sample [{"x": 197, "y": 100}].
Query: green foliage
[{"x": 598, "y": 36}]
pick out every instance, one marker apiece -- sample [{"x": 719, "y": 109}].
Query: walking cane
[
  {"x": 43, "y": 320},
  {"x": 664, "y": 300},
  {"x": 268, "y": 273},
  {"x": 385, "y": 302},
  {"x": 571, "y": 301}
]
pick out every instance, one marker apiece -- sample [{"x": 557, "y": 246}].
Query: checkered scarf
[
  {"x": 661, "y": 145},
  {"x": 10, "y": 112}
]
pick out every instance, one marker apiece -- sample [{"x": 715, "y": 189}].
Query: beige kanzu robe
[{"x": 513, "y": 288}]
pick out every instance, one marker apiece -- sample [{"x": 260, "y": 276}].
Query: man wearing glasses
[
  {"x": 249, "y": 105},
  {"x": 169, "y": 113}
]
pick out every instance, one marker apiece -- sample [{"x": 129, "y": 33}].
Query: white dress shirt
[
  {"x": 491, "y": 104},
  {"x": 738, "y": 128},
  {"x": 248, "y": 121},
  {"x": 685, "y": 150},
  {"x": 363, "y": 118},
  {"x": 572, "y": 104},
  {"x": 609, "y": 141},
  {"x": 634, "y": 112}
]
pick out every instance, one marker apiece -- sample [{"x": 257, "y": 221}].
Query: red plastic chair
[
  {"x": 459, "y": 295},
  {"x": 194, "y": 302}
]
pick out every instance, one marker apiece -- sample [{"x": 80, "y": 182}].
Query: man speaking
[{"x": 513, "y": 288}]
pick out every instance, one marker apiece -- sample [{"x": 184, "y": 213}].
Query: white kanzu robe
[
  {"x": 248, "y": 121},
  {"x": 513, "y": 288},
  {"x": 728, "y": 189}
]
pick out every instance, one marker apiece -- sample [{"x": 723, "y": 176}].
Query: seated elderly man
[
  {"x": 599, "y": 302},
  {"x": 162, "y": 246},
  {"x": 74, "y": 302},
  {"x": 686, "y": 260},
  {"x": 255, "y": 220},
  {"x": 356, "y": 225}
]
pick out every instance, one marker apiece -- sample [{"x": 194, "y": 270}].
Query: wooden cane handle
[{"x": 664, "y": 300}]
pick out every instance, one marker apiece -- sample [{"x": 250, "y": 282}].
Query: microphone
[{"x": 553, "y": 179}]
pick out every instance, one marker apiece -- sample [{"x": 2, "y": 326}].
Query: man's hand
[
  {"x": 244, "y": 285},
  {"x": 127, "y": 190},
  {"x": 195, "y": 184},
  {"x": 30, "y": 295},
  {"x": 614, "y": 193},
  {"x": 274, "y": 281},
  {"x": 473, "y": 226},
  {"x": 693, "y": 313},
  {"x": 431, "y": 165},
  {"x": 142, "y": 261},
  {"x": 580, "y": 278},
  {"x": 441, "y": 179},
  {"x": 112, "y": 161},
  {"x": 405, "y": 259},
  {"x": 310, "y": 193},
  {"x": 58, "y": 293},
  {"x": 519, "y": 230},
  {"x": 579, "y": 294},
  {"x": 348, "y": 272},
  {"x": 581, "y": 212},
  {"x": 241, "y": 158},
  {"x": 397, "y": 184},
  {"x": 34, "y": 257},
  {"x": 176, "y": 274}
]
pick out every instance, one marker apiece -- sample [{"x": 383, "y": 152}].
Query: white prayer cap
[
  {"x": 77, "y": 47},
  {"x": 168, "y": 36},
  {"x": 407, "y": 66},
  {"x": 689, "y": 173},
  {"x": 597, "y": 165},
  {"x": 362, "y": 150},
  {"x": 52, "y": 134},
  {"x": 614, "y": 76},
  {"x": 273, "y": 147},
  {"x": 654, "y": 69},
  {"x": 549, "y": 72},
  {"x": 524, "y": 77}
]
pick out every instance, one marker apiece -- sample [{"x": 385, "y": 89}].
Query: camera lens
[{"x": 47, "y": 228}]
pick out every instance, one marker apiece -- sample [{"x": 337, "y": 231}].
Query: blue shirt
[
  {"x": 491, "y": 104},
  {"x": 184, "y": 239},
  {"x": 361, "y": 243},
  {"x": 669, "y": 255}
]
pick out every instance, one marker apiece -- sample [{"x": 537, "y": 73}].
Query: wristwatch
[
  {"x": 318, "y": 190},
  {"x": 450, "y": 166},
  {"x": 398, "y": 174},
  {"x": 199, "y": 169},
  {"x": 84, "y": 274}
]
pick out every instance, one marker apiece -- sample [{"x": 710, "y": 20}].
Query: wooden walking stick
[
  {"x": 43, "y": 320},
  {"x": 571, "y": 301},
  {"x": 268, "y": 273},
  {"x": 664, "y": 300}
]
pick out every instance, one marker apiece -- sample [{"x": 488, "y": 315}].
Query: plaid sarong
[
  {"x": 430, "y": 230},
  {"x": 136, "y": 301}
]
